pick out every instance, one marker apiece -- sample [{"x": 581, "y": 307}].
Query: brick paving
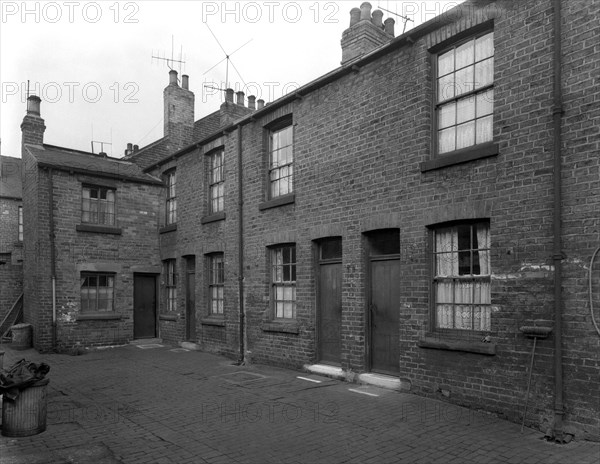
[{"x": 166, "y": 405}]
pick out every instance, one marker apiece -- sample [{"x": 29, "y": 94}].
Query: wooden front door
[
  {"x": 330, "y": 301},
  {"x": 190, "y": 299},
  {"x": 384, "y": 301},
  {"x": 144, "y": 306}
]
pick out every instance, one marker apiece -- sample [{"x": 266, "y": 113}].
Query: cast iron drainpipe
[
  {"x": 241, "y": 243},
  {"x": 557, "y": 254},
  {"x": 52, "y": 256}
]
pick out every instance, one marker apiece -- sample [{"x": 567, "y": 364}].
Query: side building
[
  {"x": 91, "y": 257},
  {"x": 11, "y": 235}
]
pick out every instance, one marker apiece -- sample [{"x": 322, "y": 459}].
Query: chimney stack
[
  {"x": 228, "y": 95},
  {"x": 129, "y": 149},
  {"x": 366, "y": 33},
  {"x": 178, "y": 112},
  {"x": 33, "y": 127},
  {"x": 240, "y": 98}
]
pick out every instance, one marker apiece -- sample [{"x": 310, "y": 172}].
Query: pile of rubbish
[{"x": 20, "y": 376}]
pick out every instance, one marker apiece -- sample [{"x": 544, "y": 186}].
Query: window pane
[
  {"x": 447, "y": 115},
  {"x": 447, "y": 140},
  {"x": 485, "y": 103},
  {"x": 331, "y": 249},
  {"x": 465, "y": 109},
  {"x": 484, "y": 73},
  {"x": 446, "y": 63},
  {"x": 446, "y": 87},
  {"x": 465, "y": 54},
  {"x": 484, "y": 129},
  {"x": 465, "y": 135},
  {"x": 464, "y": 80},
  {"x": 484, "y": 46}
]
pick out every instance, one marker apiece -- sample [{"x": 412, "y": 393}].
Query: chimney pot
[
  {"x": 260, "y": 103},
  {"x": 377, "y": 18},
  {"x": 365, "y": 11},
  {"x": 172, "y": 77},
  {"x": 240, "y": 98},
  {"x": 354, "y": 16},
  {"x": 185, "y": 79},
  {"x": 129, "y": 146},
  {"x": 252, "y": 102},
  {"x": 229, "y": 95},
  {"x": 389, "y": 26},
  {"x": 33, "y": 105},
  {"x": 136, "y": 148}
]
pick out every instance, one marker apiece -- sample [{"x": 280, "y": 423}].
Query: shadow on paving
[{"x": 165, "y": 405}]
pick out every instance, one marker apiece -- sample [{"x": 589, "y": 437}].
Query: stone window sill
[
  {"x": 167, "y": 317},
  {"x": 213, "y": 218},
  {"x": 169, "y": 228},
  {"x": 282, "y": 327},
  {"x": 457, "y": 345},
  {"x": 98, "y": 229},
  {"x": 485, "y": 150},
  {"x": 213, "y": 320},
  {"x": 279, "y": 201},
  {"x": 98, "y": 316}
]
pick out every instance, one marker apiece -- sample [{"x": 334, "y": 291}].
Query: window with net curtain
[
  {"x": 97, "y": 291},
  {"x": 283, "y": 280},
  {"x": 171, "y": 202},
  {"x": 281, "y": 163},
  {"x": 98, "y": 205},
  {"x": 216, "y": 283},
  {"x": 216, "y": 187},
  {"x": 465, "y": 94},
  {"x": 462, "y": 277}
]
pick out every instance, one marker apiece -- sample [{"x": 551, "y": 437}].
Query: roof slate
[
  {"x": 10, "y": 177},
  {"x": 80, "y": 161}
]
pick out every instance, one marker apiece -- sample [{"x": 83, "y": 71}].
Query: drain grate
[
  {"x": 149, "y": 346},
  {"x": 241, "y": 377}
]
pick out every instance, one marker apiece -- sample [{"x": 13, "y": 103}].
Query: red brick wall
[
  {"x": 11, "y": 273},
  {"x": 358, "y": 147},
  {"x": 134, "y": 250}
]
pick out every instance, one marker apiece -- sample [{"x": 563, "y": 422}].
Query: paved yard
[{"x": 159, "y": 404}]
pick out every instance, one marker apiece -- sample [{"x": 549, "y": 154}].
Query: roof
[
  {"x": 10, "y": 177},
  {"x": 66, "y": 159},
  {"x": 151, "y": 153},
  {"x": 207, "y": 125}
]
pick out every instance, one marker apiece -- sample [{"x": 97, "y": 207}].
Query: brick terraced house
[{"x": 424, "y": 213}]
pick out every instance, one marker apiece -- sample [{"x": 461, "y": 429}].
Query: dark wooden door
[
  {"x": 330, "y": 310},
  {"x": 144, "y": 306},
  {"x": 190, "y": 299},
  {"x": 384, "y": 315}
]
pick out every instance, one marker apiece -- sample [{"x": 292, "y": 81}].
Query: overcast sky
[{"x": 91, "y": 62}]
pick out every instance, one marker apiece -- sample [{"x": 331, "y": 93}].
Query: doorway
[
  {"x": 144, "y": 306},
  {"x": 329, "y": 300},
  {"x": 383, "y": 303},
  {"x": 190, "y": 298}
]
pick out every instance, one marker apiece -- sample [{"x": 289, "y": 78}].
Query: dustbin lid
[{"x": 20, "y": 326}]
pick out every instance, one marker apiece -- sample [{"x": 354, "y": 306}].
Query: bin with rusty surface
[{"x": 26, "y": 415}]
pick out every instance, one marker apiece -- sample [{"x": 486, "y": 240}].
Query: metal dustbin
[
  {"x": 21, "y": 336},
  {"x": 26, "y": 415}
]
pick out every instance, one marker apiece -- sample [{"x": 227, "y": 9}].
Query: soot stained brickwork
[{"x": 352, "y": 159}]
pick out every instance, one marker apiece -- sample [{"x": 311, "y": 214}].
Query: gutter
[
  {"x": 557, "y": 254},
  {"x": 241, "y": 245}
]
